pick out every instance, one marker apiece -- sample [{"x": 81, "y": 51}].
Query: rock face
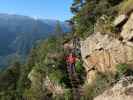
[
  {"x": 123, "y": 90},
  {"x": 39, "y": 82},
  {"x": 53, "y": 87},
  {"x": 120, "y": 19},
  {"x": 127, "y": 32},
  {"x": 101, "y": 53}
]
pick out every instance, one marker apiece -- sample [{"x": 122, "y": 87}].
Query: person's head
[{"x": 71, "y": 54}]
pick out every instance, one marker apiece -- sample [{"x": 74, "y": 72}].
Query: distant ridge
[{"x": 18, "y": 33}]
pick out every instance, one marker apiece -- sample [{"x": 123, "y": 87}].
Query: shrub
[
  {"x": 67, "y": 94},
  {"x": 126, "y": 6},
  {"x": 80, "y": 70},
  {"x": 104, "y": 25},
  {"x": 101, "y": 83},
  {"x": 79, "y": 66},
  {"x": 56, "y": 76},
  {"x": 121, "y": 69}
]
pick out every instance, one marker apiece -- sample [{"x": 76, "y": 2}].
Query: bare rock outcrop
[
  {"x": 41, "y": 83},
  {"x": 101, "y": 53},
  {"x": 122, "y": 90},
  {"x": 120, "y": 19},
  {"x": 127, "y": 31}
]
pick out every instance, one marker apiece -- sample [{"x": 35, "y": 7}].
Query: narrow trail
[
  {"x": 75, "y": 83},
  {"x": 73, "y": 76}
]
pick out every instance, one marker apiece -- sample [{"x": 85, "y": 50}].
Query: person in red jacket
[{"x": 71, "y": 60}]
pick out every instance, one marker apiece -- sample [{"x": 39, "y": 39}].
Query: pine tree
[
  {"x": 58, "y": 29},
  {"x": 87, "y": 12}
]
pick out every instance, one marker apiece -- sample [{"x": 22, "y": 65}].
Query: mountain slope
[{"x": 18, "y": 33}]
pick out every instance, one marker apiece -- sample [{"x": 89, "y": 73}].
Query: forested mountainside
[
  {"x": 19, "y": 33},
  {"x": 104, "y": 68}
]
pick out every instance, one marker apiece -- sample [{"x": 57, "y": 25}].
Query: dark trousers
[{"x": 72, "y": 68}]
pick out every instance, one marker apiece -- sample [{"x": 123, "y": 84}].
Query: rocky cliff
[{"x": 101, "y": 53}]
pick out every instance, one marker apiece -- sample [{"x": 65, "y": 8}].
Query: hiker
[{"x": 71, "y": 60}]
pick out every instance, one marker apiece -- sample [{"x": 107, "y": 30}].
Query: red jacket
[{"x": 71, "y": 59}]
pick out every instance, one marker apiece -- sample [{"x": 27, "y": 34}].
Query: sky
[{"x": 44, "y": 9}]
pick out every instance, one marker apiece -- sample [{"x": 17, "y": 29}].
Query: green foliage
[
  {"x": 50, "y": 61},
  {"x": 32, "y": 94},
  {"x": 102, "y": 82},
  {"x": 58, "y": 29},
  {"x": 8, "y": 84},
  {"x": 90, "y": 11},
  {"x": 67, "y": 94},
  {"x": 56, "y": 76},
  {"x": 47, "y": 59},
  {"x": 80, "y": 70},
  {"x": 22, "y": 33},
  {"x": 104, "y": 25},
  {"x": 121, "y": 69},
  {"x": 126, "y": 6},
  {"x": 14, "y": 80},
  {"x": 79, "y": 66}
]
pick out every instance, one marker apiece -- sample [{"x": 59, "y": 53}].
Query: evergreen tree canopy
[{"x": 87, "y": 12}]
